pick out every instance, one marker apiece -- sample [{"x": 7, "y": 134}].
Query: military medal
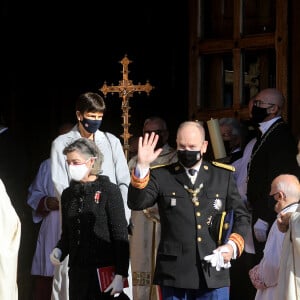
[
  {"x": 217, "y": 203},
  {"x": 97, "y": 197},
  {"x": 194, "y": 193},
  {"x": 173, "y": 201}
]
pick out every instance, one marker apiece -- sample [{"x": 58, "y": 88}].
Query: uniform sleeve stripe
[
  {"x": 239, "y": 241},
  {"x": 139, "y": 183}
]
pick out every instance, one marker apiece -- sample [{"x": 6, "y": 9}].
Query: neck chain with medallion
[
  {"x": 264, "y": 137},
  {"x": 194, "y": 193}
]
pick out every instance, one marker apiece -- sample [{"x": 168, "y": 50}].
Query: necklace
[
  {"x": 259, "y": 146},
  {"x": 194, "y": 193}
]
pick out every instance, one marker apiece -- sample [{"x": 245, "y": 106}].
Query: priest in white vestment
[
  {"x": 10, "y": 232},
  {"x": 285, "y": 190},
  {"x": 288, "y": 287}
]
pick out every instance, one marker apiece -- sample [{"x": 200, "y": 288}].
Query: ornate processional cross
[{"x": 126, "y": 89}]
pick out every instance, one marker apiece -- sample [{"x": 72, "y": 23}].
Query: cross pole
[{"x": 126, "y": 89}]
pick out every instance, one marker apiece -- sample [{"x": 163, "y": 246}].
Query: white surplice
[
  {"x": 10, "y": 233},
  {"x": 288, "y": 287}
]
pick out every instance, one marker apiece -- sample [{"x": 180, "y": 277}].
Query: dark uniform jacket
[
  {"x": 94, "y": 227},
  {"x": 185, "y": 237},
  {"x": 275, "y": 154}
]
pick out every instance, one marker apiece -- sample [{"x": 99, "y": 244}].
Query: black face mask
[
  {"x": 227, "y": 147},
  {"x": 160, "y": 142},
  {"x": 271, "y": 203},
  {"x": 188, "y": 158},
  {"x": 91, "y": 126},
  {"x": 258, "y": 114}
]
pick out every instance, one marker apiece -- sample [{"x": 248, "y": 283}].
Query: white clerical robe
[
  {"x": 10, "y": 233},
  {"x": 269, "y": 264},
  {"x": 288, "y": 287}
]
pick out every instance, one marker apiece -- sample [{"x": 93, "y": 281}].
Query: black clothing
[
  {"x": 185, "y": 237},
  {"x": 94, "y": 234},
  {"x": 235, "y": 156}
]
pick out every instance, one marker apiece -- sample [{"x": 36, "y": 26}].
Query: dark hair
[
  {"x": 234, "y": 123},
  {"x": 90, "y": 102},
  {"x": 154, "y": 119},
  {"x": 88, "y": 149}
]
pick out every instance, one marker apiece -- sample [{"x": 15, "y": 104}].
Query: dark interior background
[{"x": 52, "y": 51}]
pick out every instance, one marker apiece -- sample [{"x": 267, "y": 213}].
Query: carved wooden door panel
[{"x": 237, "y": 48}]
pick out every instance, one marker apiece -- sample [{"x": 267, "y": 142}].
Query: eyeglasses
[
  {"x": 158, "y": 131},
  {"x": 273, "y": 195},
  {"x": 277, "y": 193},
  {"x": 260, "y": 103}
]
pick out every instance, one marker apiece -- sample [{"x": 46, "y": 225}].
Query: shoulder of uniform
[
  {"x": 224, "y": 166},
  {"x": 158, "y": 166}
]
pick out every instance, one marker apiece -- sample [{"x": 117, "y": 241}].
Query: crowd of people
[{"x": 169, "y": 222}]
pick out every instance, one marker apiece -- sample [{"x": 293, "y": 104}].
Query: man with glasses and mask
[
  {"x": 191, "y": 262},
  {"x": 274, "y": 153},
  {"x": 90, "y": 108},
  {"x": 146, "y": 226}
]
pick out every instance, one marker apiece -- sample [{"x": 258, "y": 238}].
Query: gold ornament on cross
[{"x": 126, "y": 89}]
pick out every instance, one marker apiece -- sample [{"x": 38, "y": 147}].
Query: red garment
[{"x": 42, "y": 288}]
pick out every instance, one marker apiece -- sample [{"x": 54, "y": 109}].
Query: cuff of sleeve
[
  {"x": 140, "y": 172},
  {"x": 262, "y": 224},
  {"x": 139, "y": 183},
  {"x": 232, "y": 243},
  {"x": 42, "y": 208},
  {"x": 45, "y": 204},
  {"x": 239, "y": 242}
]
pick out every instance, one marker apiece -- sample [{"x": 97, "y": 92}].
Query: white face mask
[{"x": 77, "y": 172}]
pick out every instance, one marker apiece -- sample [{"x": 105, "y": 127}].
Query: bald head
[
  {"x": 271, "y": 95},
  {"x": 286, "y": 190},
  {"x": 191, "y": 136}
]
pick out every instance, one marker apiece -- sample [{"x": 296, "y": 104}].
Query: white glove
[
  {"x": 216, "y": 259},
  {"x": 260, "y": 229},
  {"x": 116, "y": 285},
  {"x": 55, "y": 256},
  {"x": 212, "y": 258}
]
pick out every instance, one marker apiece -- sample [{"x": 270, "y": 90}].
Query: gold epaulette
[
  {"x": 157, "y": 166},
  {"x": 224, "y": 166}
]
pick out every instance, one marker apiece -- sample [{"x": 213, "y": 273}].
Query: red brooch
[{"x": 97, "y": 196}]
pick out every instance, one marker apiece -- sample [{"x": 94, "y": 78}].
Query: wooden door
[{"x": 237, "y": 48}]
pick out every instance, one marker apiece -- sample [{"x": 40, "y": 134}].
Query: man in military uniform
[
  {"x": 190, "y": 195},
  {"x": 146, "y": 226}
]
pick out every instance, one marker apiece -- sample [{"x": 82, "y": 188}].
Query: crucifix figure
[{"x": 126, "y": 89}]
